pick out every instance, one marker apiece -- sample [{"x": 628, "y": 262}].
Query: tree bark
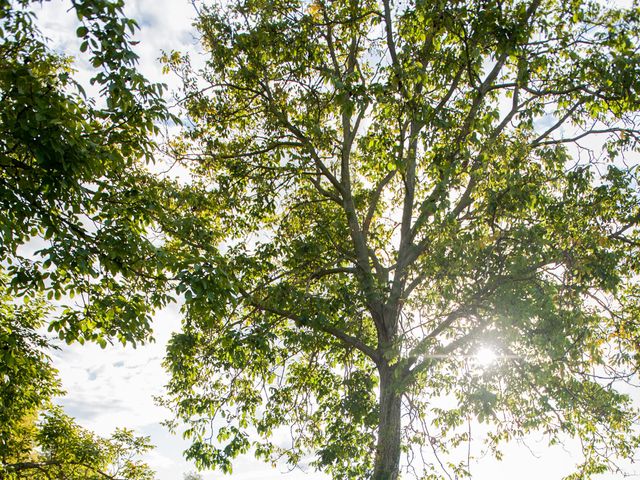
[{"x": 387, "y": 459}]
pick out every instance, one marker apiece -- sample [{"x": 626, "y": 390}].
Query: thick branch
[
  {"x": 366, "y": 224},
  {"x": 344, "y": 337}
]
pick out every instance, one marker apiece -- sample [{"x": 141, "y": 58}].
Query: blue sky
[{"x": 116, "y": 386}]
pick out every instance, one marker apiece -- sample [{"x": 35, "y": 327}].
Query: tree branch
[{"x": 316, "y": 325}]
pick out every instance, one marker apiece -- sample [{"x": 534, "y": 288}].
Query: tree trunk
[{"x": 387, "y": 460}]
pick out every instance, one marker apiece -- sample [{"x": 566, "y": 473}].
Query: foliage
[
  {"x": 72, "y": 169},
  {"x": 62, "y": 449},
  {"x": 26, "y": 376},
  {"x": 37, "y": 440},
  {"x": 192, "y": 476},
  {"x": 72, "y": 223},
  {"x": 380, "y": 189}
]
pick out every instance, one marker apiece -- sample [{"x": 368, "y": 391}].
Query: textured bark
[{"x": 387, "y": 459}]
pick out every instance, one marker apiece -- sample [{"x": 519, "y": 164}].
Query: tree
[
  {"x": 192, "y": 476},
  {"x": 37, "y": 440},
  {"x": 71, "y": 173},
  {"x": 72, "y": 222},
  {"x": 380, "y": 190},
  {"x": 62, "y": 449},
  {"x": 28, "y": 381}
]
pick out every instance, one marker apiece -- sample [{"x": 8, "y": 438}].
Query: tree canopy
[
  {"x": 379, "y": 189},
  {"x": 71, "y": 224},
  {"x": 71, "y": 172}
]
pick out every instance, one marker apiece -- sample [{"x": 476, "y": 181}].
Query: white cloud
[{"x": 116, "y": 386}]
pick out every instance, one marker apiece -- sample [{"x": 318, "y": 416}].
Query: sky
[{"x": 115, "y": 387}]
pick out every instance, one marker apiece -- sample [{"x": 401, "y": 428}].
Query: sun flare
[{"x": 485, "y": 356}]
